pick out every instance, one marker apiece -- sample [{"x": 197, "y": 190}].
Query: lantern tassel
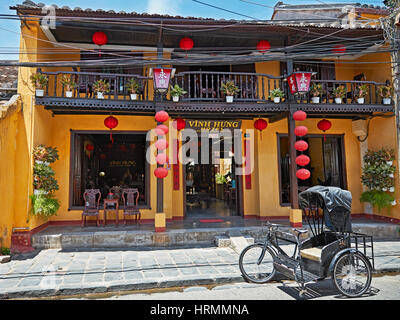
[{"x": 111, "y": 137}]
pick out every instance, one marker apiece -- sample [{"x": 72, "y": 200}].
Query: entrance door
[{"x": 212, "y": 188}]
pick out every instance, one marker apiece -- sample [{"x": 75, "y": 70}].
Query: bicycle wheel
[
  {"x": 250, "y": 269},
  {"x": 352, "y": 274}
]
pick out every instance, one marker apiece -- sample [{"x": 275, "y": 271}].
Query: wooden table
[{"x": 107, "y": 208}]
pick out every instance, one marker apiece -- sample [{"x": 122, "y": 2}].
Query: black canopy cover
[{"x": 335, "y": 202}]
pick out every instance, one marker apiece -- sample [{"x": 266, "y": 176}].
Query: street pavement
[{"x": 55, "y": 272}]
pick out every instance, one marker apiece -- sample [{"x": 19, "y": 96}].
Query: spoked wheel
[
  {"x": 352, "y": 274},
  {"x": 252, "y": 268}
]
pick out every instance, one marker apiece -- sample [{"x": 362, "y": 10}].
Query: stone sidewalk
[{"x": 55, "y": 272}]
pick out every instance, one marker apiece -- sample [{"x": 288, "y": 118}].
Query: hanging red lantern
[
  {"x": 260, "y": 124},
  {"x": 302, "y": 160},
  {"x": 179, "y": 124},
  {"x": 89, "y": 147},
  {"x": 324, "y": 125},
  {"x": 132, "y": 146},
  {"x": 109, "y": 145},
  {"x": 303, "y": 174},
  {"x": 99, "y": 38},
  {"x": 186, "y": 44},
  {"x": 162, "y": 158},
  {"x": 160, "y": 172},
  {"x": 103, "y": 156},
  {"x": 301, "y": 145},
  {"x": 123, "y": 148},
  {"x": 300, "y": 131},
  {"x": 161, "y": 130},
  {"x": 111, "y": 122},
  {"x": 339, "y": 49},
  {"x": 161, "y": 116},
  {"x": 161, "y": 144},
  {"x": 263, "y": 46},
  {"x": 299, "y": 115}
]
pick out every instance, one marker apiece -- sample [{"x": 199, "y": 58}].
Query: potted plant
[
  {"x": 386, "y": 93},
  {"x": 230, "y": 90},
  {"x": 132, "y": 86},
  {"x": 339, "y": 93},
  {"x": 361, "y": 93},
  {"x": 316, "y": 92},
  {"x": 39, "y": 82},
  {"x": 220, "y": 180},
  {"x": 277, "y": 94},
  {"x": 176, "y": 91},
  {"x": 69, "y": 84},
  {"x": 100, "y": 87}
]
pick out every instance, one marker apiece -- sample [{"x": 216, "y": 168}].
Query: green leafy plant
[
  {"x": 101, "y": 86},
  {"x": 68, "y": 82},
  {"x": 39, "y": 80},
  {"x": 277, "y": 93},
  {"x": 220, "y": 178},
  {"x": 176, "y": 91},
  {"x": 132, "y": 85},
  {"x": 377, "y": 198},
  {"x": 361, "y": 91},
  {"x": 44, "y": 205},
  {"x": 316, "y": 89},
  {"x": 340, "y": 92},
  {"x": 43, "y": 153},
  {"x": 229, "y": 88},
  {"x": 385, "y": 91},
  {"x": 5, "y": 251}
]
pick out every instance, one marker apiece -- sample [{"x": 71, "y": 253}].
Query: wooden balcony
[{"x": 204, "y": 95}]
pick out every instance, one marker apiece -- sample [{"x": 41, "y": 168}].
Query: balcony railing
[{"x": 205, "y": 86}]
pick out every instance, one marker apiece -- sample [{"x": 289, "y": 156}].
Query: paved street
[{"x": 54, "y": 272}]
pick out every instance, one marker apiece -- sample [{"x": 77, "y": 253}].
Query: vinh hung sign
[{"x": 213, "y": 125}]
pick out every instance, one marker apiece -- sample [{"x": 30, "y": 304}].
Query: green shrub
[
  {"x": 377, "y": 198},
  {"x": 45, "y": 205}
]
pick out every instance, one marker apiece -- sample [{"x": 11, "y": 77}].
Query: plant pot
[
  {"x": 391, "y": 189},
  {"x": 176, "y": 98},
  {"x": 360, "y": 100},
  {"x": 393, "y": 203},
  {"x": 133, "y": 96},
  {"x": 389, "y": 163},
  {"x": 229, "y": 99},
  {"x": 387, "y": 100},
  {"x": 39, "y": 92},
  {"x": 100, "y": 95},
  {"x": 384, "y": 189},
  {"x": 277, "y": 99},
  {"x": 391, "y": 175},
  {"x": 68, "y": 94},
  {"x": 46, "y": 163},
  {"x": 338, "y": 100},
  {"x": 315, "y": 99},
  {"x": 37, "y": 192}
]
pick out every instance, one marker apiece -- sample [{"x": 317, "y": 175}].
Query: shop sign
[
  {"x": 122, "y": 163},
  {"x": 213, "y": 125},
  {"x": 299, "y": 82}
]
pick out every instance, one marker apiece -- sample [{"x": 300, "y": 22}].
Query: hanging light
[
  {"x": 161, "y": 116},
  {"x": 161, "y": 144},
  {"x": 301, "y": 145},
  {"x": 160, "y": 172},
  {"x": 263, "y": 46},
  {"x": 324, "y": 125},
  {"x": 161, "y": 129},
  {"x": 99, "y": 38},
  {"x": 111, "y": 122},
  {"x": 302, "y": 160},
  {"x": 186, "y": 44},
  {"x": 179, "y": 124},
  {"x": 303, "y": 174},
  {"x": 300, "y": 131},
  {"x": 162, "y": 158},
  {"x": 299, "y": 115},
  {"x": 260, "y": 124}
]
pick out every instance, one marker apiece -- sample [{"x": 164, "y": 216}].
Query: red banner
[
  {"x": 175, "y": 164},
  {"x": 247, "y": 177}
]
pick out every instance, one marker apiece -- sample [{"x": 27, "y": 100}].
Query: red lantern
[
  {"x": 179, "y": 124},
  {"x": 186, "y": 43},
  {"x": 99, "y": 38},
  {"x": 302, "y": 160},
  {"x": 161, "y": 116},
  {"x": 303, "y": 174},
  {"x": 339, "y": 49},
  {"x": 260, "y": 124},
  {"x": 162, "y": 158},
  {"x": 132, "y": 146},
  {"x": 160, "y": 172},
  {"x": 301, "y": 145},
  {"x": 263, "y": 46},
  {"x": 89, "y": 147},
  {"x": 324, "y": 125},
  {"x": 122, "y": 147},
  {"x": 300, "y": 131},
  {"x": 162, "y": 129},
  {"x": 111, "y": 123},
  {"x": 299, "y": 115},
  {"x": 103, "y": 156},
  {"x": 161, "y": 144}
]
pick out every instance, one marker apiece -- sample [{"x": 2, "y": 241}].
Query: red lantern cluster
[
  {"x": 301, "y": 145},
  {"x": 161, "y": 144},
  {"x": 260, "y": 124}
]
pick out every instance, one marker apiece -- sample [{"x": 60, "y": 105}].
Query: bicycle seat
[{"x": 301, "y": 231}]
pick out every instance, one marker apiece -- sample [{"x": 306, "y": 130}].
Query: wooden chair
[
  {"x": 130, "y": 199},
  {"x": 91, "y": 205}
]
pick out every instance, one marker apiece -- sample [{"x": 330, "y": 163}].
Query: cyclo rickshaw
[{"x": 331, "y": 248}]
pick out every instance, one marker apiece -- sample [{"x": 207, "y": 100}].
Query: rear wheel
[
  {"x": 352, "y": 274},
  {"x": 250, "y": 267}
]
